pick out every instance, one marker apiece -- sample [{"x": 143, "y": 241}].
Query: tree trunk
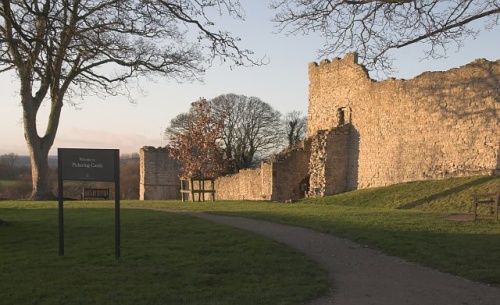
[
  {"x": 39, "y": 147},
  {"x": 40, "y": 175}
]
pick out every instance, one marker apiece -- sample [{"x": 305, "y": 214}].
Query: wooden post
[
  {"x": 182, "y": 190},
  {"x": 203, "y": 189},
  {"x": 197, "y": 187},
  {"x": 191, "y": 187}
]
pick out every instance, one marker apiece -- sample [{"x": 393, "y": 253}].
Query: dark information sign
[{"x": 87, "y": 164}]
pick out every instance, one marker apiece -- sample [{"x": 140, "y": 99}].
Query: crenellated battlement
[{"x": 349, "y": 58}]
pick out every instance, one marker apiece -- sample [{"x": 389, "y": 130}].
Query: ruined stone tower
[{"x": 437, "y": 125}]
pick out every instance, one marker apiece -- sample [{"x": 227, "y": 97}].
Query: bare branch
[
  {"x": 374, "y": 27},
  {"x": 65, "y": 48}
]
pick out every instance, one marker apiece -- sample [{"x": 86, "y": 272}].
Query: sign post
[{"x": 78, "y": 164}]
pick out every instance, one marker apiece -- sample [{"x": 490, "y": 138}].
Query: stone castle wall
[
  {"x": 437, "y": 125},
  {"x": 159, "y": 175},
  {"x": 363, "y": 133},
  {"x": 247, "y": 184},
  {"x": 315, "y": 167},
  {"x": 329, "y": 161},
  {"x": 281, "y": 178},
  {"x": 290, "y": 172},
  {"x": 277, "y": 179}
]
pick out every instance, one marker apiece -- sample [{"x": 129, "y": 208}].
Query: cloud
[{"x": 95, "y": 138}]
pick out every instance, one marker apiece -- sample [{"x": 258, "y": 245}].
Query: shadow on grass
[{"x": 446, "y": 193}]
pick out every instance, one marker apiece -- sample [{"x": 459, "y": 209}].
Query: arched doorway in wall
[{"x": 304, "y": 187}]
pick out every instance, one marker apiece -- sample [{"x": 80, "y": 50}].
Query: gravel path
[{"x": 362, "y": 276}]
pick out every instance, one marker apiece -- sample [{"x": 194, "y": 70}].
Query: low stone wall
[
  {"x": 159, "y": 179},
  {"x": 291, "y": 172},
  {"x": 284, "y": 177},
  {"x": 245, "y": 185}
]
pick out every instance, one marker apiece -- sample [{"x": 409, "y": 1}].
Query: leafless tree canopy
[
  {"x": 178, "y": 124},
  {"x": 252, "y": 128},
  {"x": 295, "y": 127},
  {"x": 374, "y": 27},
  {"x": 65, "y": 48},
  {"x": 72, "y": 41}
]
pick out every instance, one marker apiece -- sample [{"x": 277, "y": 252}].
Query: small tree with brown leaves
[{"x": 199, "y": 149}]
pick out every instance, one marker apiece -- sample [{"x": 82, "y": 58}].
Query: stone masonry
[
  {"x": 285, "y": 176},
  {"x": 328, "y": 162},
  {"x": 159, "y": 175},
  {"x": 437, "y": 125},
  {"x": 366, "y": 133}
]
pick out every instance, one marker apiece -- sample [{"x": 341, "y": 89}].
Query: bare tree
[
  {"x": 295, "y": 127},
  {"x": 178, "y": 124},
  {"x": 60, "y": 49},
  {"x": 129, "y": 176},
  {"x": 252, "y": 128},
  {"x": 7, "y": 166},
  {"x": 9, "y": 159},
  {"x": 374, "y": 27},
  {"x": 231, "y": 106}
]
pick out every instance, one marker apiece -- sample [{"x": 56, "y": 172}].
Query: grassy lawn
[
  {"x": 174, "y": 259},
  {"x": 405, "y": 220},
  {"x": 166, "y": 259}
]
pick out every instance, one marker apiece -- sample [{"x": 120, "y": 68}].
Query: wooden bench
[
  {"x": 490, "y": 201},
  {"x": 93, "y": 193}
]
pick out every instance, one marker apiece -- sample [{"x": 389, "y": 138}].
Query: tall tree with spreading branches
[
  {"x": 375, "y": 27},
  {"x": 252, "y": 128},
  {"x": 60, "y": 49},
  {"x": 199, "y": 148}
]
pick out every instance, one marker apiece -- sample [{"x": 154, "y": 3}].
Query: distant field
[
  {"x": 23, "y": 160},
  {"x": 9, "y": 182}
]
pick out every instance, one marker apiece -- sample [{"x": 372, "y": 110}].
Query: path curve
[{"x": 363, "y": 276}]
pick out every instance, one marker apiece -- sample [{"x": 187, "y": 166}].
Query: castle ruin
[{"x": 365, "y": 133}]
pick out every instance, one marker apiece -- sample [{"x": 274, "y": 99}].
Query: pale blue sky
[{"x": 116, "y": 123}]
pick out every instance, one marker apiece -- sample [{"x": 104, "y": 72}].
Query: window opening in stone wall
[{"x": 341, "y": 116}]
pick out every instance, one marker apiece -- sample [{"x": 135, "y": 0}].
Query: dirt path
[{"x": 363, "y": 276}]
